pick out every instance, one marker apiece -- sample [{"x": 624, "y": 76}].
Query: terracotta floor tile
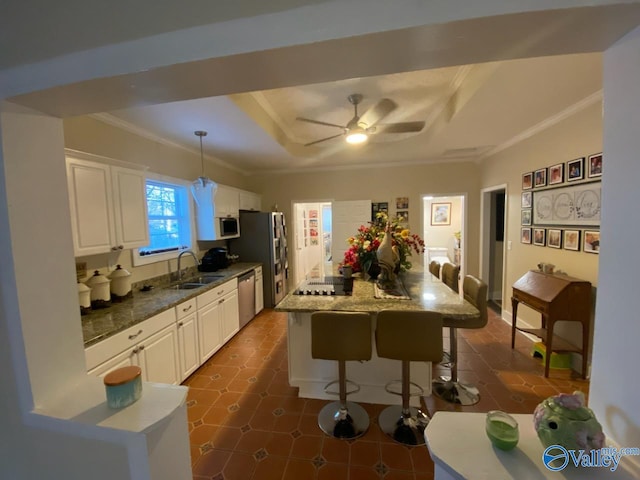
[
  {"x": 299, "y": 469},
  {"x": 270, "y": 468},
  {"x": 240, "y": 466},
  {"x": 246, "y": 421}
]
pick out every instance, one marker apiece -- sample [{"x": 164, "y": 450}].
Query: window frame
[{"x": 138, "y": 259}]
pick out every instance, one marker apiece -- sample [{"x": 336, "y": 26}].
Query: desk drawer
[{"x": 535, "y": 303}]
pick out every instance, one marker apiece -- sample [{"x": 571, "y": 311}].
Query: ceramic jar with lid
[
  {"x": 100, "y": 292},
  {"x": 120, "y": 284},
  {"x": 84, "y": 298}
]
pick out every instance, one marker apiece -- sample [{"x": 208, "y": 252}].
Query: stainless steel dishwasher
[{"x": 247, "y": 297}]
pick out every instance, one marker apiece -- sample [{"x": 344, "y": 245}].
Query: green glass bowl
[{"x": 502, "y": 430}]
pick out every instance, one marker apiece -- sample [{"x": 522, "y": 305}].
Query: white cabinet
[
  {"x": 152, "y": 344},
  {"x": 227, "y": 201},
  {"x": 229, "y": 315},
  {"x": 217, "y": 307},
  {"x": 108, "y": 207},
  {"x": 188, "y": 348},
  {"x": 250, "y": 201},
  {"x": 259, "y": 290}
]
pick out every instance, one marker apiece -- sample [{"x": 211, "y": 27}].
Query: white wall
[
  {"x": 614, "y": 388},
  {"x": 442, "y": 235}
]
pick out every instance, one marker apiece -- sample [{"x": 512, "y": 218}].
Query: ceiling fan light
[{"x": 357, "y": 136}]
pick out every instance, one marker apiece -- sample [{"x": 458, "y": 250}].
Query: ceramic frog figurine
[{"x": 565, "y": 420}]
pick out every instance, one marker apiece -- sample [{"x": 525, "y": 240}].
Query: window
[{"x": 169, "y": 221}]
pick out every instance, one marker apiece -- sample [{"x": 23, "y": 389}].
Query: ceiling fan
[{"x": 358, "y": 129}]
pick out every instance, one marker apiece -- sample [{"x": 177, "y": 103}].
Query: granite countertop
[
  {"x": 426, "y": 292},
  {"x": 103, "y": 323}
]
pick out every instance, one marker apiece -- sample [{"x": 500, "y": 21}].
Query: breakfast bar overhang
[{"x": 310, "y": 375}]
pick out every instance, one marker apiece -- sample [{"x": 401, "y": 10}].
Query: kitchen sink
[
  {"x": 210, "y": 278},
  {"x": 188, "y": 286}
]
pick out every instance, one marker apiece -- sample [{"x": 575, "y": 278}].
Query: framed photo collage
[{"x": 561, "y": 204}]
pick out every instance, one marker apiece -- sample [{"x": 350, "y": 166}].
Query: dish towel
[{"x": 398, "y": 292}]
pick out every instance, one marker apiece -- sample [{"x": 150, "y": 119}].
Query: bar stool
[
  {"x": 434, "y": 268},
  {"x": 407, "y": 336},
  {"x": 449, "y": 388},
  {"x": 342, "y": 336},
  {"x": 450, "y": 275}
]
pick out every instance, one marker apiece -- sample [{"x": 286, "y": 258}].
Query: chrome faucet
[{"x": 180, "y": 256}]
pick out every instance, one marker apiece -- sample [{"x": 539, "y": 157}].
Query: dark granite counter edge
[{"x": 102, "y": 324}]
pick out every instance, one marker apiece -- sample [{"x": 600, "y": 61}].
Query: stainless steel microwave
[{"x": 229, "y": 227}]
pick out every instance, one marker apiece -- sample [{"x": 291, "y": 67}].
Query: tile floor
[{"x": 247, "y": 423}]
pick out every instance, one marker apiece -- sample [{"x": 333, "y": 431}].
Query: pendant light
[{"x": 202, "y": 178}]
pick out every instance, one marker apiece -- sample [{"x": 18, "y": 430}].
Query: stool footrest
[
  {"x": 417, "y": 389},
  {"x": 356, "y": 387}
]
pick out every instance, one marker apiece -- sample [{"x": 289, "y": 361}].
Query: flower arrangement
[{"x": 364, "y": 245}]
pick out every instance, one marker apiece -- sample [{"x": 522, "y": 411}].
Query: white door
[
  {"x": 188, "y": 345},
  {"x": 158, "y": 356},
  {"x": 347, "y": 217},
  {"x": 230, "y": 315},
  {"x": 209, "y": 330}
]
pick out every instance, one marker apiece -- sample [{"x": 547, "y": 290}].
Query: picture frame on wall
[
  {"x": 527, "y": 181},
  {"x": 441, "y": 214},
  {"x": 526, "y": 217},
  {"x": 540, "y": 178},
  {"x": 591, "y": 241},
  {"x": 526, "y": 200},
  {"x": 378, "y": 207},
  {"x": 575, "y": 169},
  {"x": 556, "y": 174},
  {"x": 594, "y": 165},
  {"x": 539, "y": 236},
  {"x": 554, "y": 238},
  {"x": 403, "y": 215},
  {"x": 525, "y": 235},
  {"x": 571, "y": 240}
]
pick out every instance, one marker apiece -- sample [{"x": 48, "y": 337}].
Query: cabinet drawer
[
  {"x": 109, "y": 348},
  {"x": 186, "y": 308},
  {"x": 216, "y": 293}
]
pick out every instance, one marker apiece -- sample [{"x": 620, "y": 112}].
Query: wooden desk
[{"x": 556, "y": 297}]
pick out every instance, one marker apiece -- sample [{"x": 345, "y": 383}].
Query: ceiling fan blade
[
  {"x": 323, "y": 139},
  {"x": 376, "y": 113},
  {"x": 402, "y": 127},
  {"x": 317, "y": 122}
]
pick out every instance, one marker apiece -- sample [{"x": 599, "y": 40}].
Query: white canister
[
  {"x": 84, "y": 298},
  {"x": 100, "y": 293},
  {"x": 120, "y": 283}
]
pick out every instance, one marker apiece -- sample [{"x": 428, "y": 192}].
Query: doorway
[
  {"x": 494, "y": 249},
  {"x": 312, "y": 240},
  {"x": 443, "y": 231}
]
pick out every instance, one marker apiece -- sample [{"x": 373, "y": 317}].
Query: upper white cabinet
[
  {"x": 108, "y": 207},
  {"x": 250, "y": 201},
  {"x": 227, "y": 201}
]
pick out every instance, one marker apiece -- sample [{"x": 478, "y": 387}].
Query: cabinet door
[
  {"x": 124, "y": 359},
  {"x": 259, "y": 294},
  {"x": 130, "y": 207},
  {"x": 250, "y": 201},
  {"x": 91, "y": 205},
  {"x": 209, "y": 330},
  {"x": 188, "y": 345},
  {"x": 227, "y": 201},
  {"x": 158, "y": 356},
  {"x": 230, "y": 315}
]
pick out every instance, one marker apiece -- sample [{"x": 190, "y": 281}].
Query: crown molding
[{"x": 545, "y": 124}]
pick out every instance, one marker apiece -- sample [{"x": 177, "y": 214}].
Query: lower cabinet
[
  {"x": 152, "y": 345},
  {"x": 171, "y": 345},
  {"x": 188, "y": 348},
  {"x": 259, "y": 290}
]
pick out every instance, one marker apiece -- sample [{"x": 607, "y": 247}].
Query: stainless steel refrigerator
[{"x": 263, "y": 238}]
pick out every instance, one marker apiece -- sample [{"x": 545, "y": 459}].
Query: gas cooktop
[{"x": 325, "y": 286}]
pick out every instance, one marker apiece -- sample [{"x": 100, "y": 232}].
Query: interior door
[{"x": 346, "y": 218}]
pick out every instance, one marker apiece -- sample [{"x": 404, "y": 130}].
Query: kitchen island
[{"x": 426, "y": 292}]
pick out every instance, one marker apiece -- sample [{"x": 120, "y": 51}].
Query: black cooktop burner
[{"x": 325, "y": 286}]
